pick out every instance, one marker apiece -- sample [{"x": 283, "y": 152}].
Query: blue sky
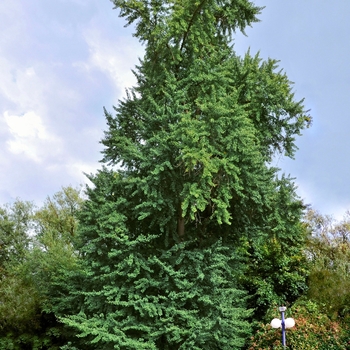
[{"x": 62, "y": 61}]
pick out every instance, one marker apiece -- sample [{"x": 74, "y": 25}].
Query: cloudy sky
[{"x": 62, "y": 61}]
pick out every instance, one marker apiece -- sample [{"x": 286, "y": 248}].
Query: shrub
[{"x": 313, "y": 330}]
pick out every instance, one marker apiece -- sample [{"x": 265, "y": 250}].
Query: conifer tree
[{"x": 188, "y": 216}]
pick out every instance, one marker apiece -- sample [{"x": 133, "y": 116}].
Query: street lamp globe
[
  {"x": 276, "y": 323},
  {"x": 289, "y": 322}
]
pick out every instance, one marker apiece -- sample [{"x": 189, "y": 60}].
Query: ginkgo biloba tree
[{"x": 190, "y": 216}]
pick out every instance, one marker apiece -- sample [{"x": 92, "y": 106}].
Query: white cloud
[
  {"x": 115, "y": 59},
  {"x": 22, "y": 88},
  {"x": 79, "y": 169},
  {"x": 30, "y": 137}
]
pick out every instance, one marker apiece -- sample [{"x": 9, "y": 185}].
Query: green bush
[{"x": 313, "y": 330}]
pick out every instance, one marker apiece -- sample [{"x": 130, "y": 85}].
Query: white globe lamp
[
  {"x": 289, "y": 322},
  {"x": 276, "y": 323}
]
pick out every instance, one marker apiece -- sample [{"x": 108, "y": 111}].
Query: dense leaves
[
  {"x": 38, "y": 243},
  {"x": 15, "y": 225},
  {"x": 329, "y": 252},
  {"x": 322, "y": 314},
  {"x": 313, "y": 330},
  {"x": 277, "y": 265},
  {"x": 140, "y": 296}
]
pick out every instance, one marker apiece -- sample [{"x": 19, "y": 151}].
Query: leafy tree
[
  {"x": 41, "y": 255},
  {"x": 15, "y": 225},
  {"x": 329, "y": 253},
  {"x": 58, "y": 216},
  {"x": 18, "y": 299},
  {"x": 54, "y": 251},
  {"x": 190, "y": 214}
]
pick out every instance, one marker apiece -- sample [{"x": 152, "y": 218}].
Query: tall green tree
[{"x": 190, "y": 216}]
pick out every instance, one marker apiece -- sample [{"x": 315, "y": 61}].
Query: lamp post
[{"x": 283, "y": 323}]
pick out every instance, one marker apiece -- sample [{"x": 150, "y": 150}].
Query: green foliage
[
  {"x": 18, "y": 298},
  {"x": 54, "y": 249},
  {"x": 189, "y": 228},
  {"x": 329, "y": 253},
  {"x": 313, "y": 330},
  {"x": 56, "y": 220},
  {"x": 44, "y": 338},
  {"x": 19, "y": 301},
  {"x": 39, "y": 251},
  {"x": 15, "y": 224},
  {"x": 138, "y": 295},
  {"x": 277, "y": 265}
]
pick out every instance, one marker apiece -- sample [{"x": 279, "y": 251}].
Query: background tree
[
  {"x": 329, "y": 253},
  {"x": 15, "y": 225},
  {"x": 38, "y": 252},
  {"x": 54, "y": 250},
  {"x": 172, "y": 232},
  {"x": 18, "y": 299}
]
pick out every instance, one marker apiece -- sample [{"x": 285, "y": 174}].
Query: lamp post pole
[{"x": 282, "y": 309}]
